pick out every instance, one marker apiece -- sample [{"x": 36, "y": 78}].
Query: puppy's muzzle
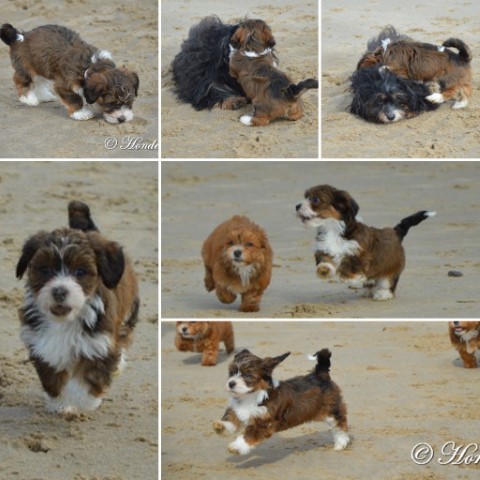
[{"x": 237, "y": 255}]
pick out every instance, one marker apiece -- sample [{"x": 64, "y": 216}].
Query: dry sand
[
  {"x": 217, "y": 133},
  {"x": 118, "y": 441},
  {"x": 126, "y": 28},
  {"x": 403, "y": 384},
  {"x": 346, "y": 27},
  {"x": 197, "y": 196}
]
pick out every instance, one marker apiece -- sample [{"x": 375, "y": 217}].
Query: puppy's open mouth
[
  {"x": 60, "y": 310},
  {"x": 303, "y": 218}
]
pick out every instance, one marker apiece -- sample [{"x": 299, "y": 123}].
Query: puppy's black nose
[
  {"x": 237, "y": 253},
  {"x": 184, "y": 330},
  {"x": 121, "y": 119},
  {"x": 391, "y": 116},
  {"x": 59, "y": 294},
  {"x": 456, "y": 323},
  {"x": 231, "y": 384},
  {"x": 298, "y": 206}
]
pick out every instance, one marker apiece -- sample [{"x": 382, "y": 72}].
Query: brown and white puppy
[
  {"x": 349, "y": 248},
  {"x": 262, "y": 406},
  {"x": 465, "y": 337},
  {"x": 238, "y": 261},
  {"x": 425, "y": 62},
  {"x": 80, "y": 309},
  {"x": 52, "y": 60},
  {"x": 253, "y": 65},
  {"x": 205, "y": 337}
]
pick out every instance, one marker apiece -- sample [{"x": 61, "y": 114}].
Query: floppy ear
[
  {"x": 79, "y": 216},
  {"x": 110, "y": 260},
  {"x": 346, "y": 205},
  {"x": 136, "y": 82},
  {"x": 29, "y": 249},
  {"x": 237, "y": 38},
  {"x": 94, "y": 87}
]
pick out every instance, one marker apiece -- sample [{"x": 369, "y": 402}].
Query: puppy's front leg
[
  {"x": 184, "y": 344},
  {"x": 325, "y": 264},
  {"x": 229, "y": 423},
  {"x": 255, "y": 433},
  {"x": 251, "y": 301},
  {"x": 224, "y": 295}
]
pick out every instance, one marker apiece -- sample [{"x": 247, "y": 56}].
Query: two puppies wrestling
[
  {"x": 231, "y": 66},
  {"x": 399, "y": 78}
]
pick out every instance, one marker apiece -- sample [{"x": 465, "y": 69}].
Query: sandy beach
[
  {"x": 119, "y": 441},
  {"x": 197, "y": 196},
  {"x": 346, "y": 28},
  {"x": 403, "y": 384},
  {"x": 187, "y": 133},
  {"x": 126, "y": 28}
]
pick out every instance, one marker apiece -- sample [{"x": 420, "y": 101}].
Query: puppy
[
  {"x": 380, "y": 96},
  {"x": 238, "y": 261},
  {"x": 80, "y": 309},
  {"x": 253, "y": 64},
  {"x": 349, "y": 248},
  {"x": 465, "y": 338},
  {"x": 425, "y": 63},
  {"x": 205, "y": 337},
  {"x": 200, "y": 70},
  {"x": 85, "y": 78},
  {"x": 262, "y": 406}
]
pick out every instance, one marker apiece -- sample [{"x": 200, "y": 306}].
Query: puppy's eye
[
  {"x": 80, "y": 272},
  {"x": 230, "y": 243},
  {"x": 248, "y": 377},
  {"x": 45, "y": 271},
  {"x": 249, "y": 244}
]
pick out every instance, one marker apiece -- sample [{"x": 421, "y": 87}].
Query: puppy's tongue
[{"x": 60, "y": 310}]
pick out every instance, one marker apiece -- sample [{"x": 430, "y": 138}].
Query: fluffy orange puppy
[
  {"x": 466, "y": 339},
  {"x": 238, "y": 261},
  {"x": 205, "y": 337}
]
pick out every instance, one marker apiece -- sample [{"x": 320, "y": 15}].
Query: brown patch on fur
[
  {"x": 465, "y": 337},
  {"x": 205, "y": 337},
  {"x": 238, "y": 239}
]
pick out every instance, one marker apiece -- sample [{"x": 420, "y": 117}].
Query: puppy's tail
[
  {"x": 292, "y": 92},
  {"x": 9, "y": 34},
  {"x": 464, "y": 51},
  {"x": 322, "y": 368},
  {"x": 402, "y": 228},
  {"x": 79, "y": 217}
]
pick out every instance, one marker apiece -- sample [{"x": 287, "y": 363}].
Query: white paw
[
  {"x": 435, "y": 98},
  {"x": 325, "y": 270},
  {"x": 460, "y": 104},
  {"x": 246, "y": 120},
  {"x": 341, "y": 440},
  {"x": 29, "y": 99},
  {"x": 239, "y": 446},
  {"x": 382, "y": 295},
  {"x": 85, "y": 113}
]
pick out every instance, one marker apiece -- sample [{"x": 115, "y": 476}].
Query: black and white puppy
[
  {"x": 201, "y": 69},
  {"x": 380, "y": 96},
  {"x": 80, "y": 309}
]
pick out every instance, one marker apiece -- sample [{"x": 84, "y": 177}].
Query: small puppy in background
[
  {"x": 80, "y": 309},
  {"x": 381, "y": 96},
  {"x": 85, "y": 78},
  {"x": 205, "y": 337},
  {"x": 262, "y": 406},
  {"x": 426, "y": 63},
  {"x": 349, "y": 248},
  {"x": 254, "y": 66},
  {"x": 238, "y": 261},
  {"x": 465, "y": 337}
]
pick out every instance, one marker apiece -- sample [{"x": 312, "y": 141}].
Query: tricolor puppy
[
  {"x": 81, "y": 306},
  {"x": 205, "y": 337},
  {"x": 238, "y": 261},
  {"x": 465, "y": 337},
  {"x": 52, "y": 60},
  {"x": 253, "y": 65},
  {"x": 349, "y": 248},
  {"x": 262, "y": 406}
]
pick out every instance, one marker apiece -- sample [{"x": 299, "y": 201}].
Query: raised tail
[
  {"x": 292, "y": 92},
  {"x": 464, "y": 51},
  {"x": 10, "y": 34},
  {"x": 322, "y": 368},
  {"x": 404, "y": 226}
]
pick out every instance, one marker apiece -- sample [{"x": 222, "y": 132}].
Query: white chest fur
[
  {"x": 330, "y": 240},
  {"x": 249, "y": 405}
]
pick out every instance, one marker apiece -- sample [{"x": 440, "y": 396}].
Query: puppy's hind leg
[
  {"x": 209, "y": 282},
  {"x": 339, "y": 431},
  {"x": 229, "y": 340}
]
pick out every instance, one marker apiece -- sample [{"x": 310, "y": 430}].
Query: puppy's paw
[
  {"x": 249, "y": 307},
  {"x": 219, "y": 427},
  {"x": 382, "y": 295},
  {"x": 460, "y": 104},
  {"x": 209, "y": 360},
  {"x": 246, "y": 120},
  {"x": 239, "y": 446},
  {"x": 209, "y": 284},
  {"x": 435, "y": 98},
  {"x": 85, "y": 113},
  {"x": 325, "y": 270}
]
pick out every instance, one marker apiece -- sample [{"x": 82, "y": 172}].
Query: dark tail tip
[
  {"x": 8, "y": 33},
  {"x": 79, "y": 217},
  {"x": 404, "y": 226},
  {"x": 292, "y": 92},
  {"x": 464, "y": 51},
  {"x": 323, "y": 360}
]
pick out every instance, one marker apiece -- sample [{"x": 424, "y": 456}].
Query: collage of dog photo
[{"x": 320, "y": 274}]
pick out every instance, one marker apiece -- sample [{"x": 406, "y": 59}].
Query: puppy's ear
[
  {"x": 110, "y": 259},
  {"x": 94, "y": 87},
  {"x": 269, "y": 39},
  {"x": 237, "y": 39},
  {"x": 346, "y": 205},
  {"x": 29, "y": 249},
  {"x": 136, "y": 82},
  {"x": 271, "y": 363},
  {"x": 79, "y": 216}
]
